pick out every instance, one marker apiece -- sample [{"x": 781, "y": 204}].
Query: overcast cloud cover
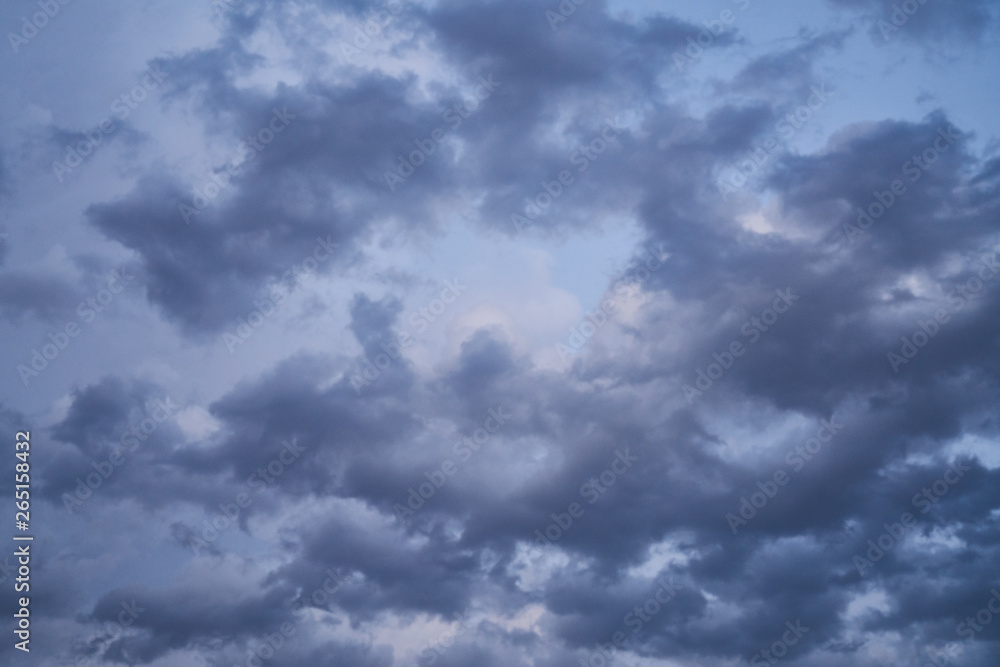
[{"x": 482, "y": 333}]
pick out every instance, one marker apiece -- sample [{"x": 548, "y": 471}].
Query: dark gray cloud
[
  {"x": 368, "y": 515},
  {"x": 790, "y": 71},
  {"x": 203, "y": 268}
]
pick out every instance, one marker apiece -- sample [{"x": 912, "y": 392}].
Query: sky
[{"x": 542, "y": 333}]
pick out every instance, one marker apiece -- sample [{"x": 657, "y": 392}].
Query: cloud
[
  {"x": 761, "y": 350},
  {"x": 916, "y": 21}
]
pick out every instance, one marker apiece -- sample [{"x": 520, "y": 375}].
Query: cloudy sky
[{"x": 510, "y": 332}]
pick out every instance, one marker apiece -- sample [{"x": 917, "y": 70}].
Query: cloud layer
[{"x": 773, "y": 435}]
